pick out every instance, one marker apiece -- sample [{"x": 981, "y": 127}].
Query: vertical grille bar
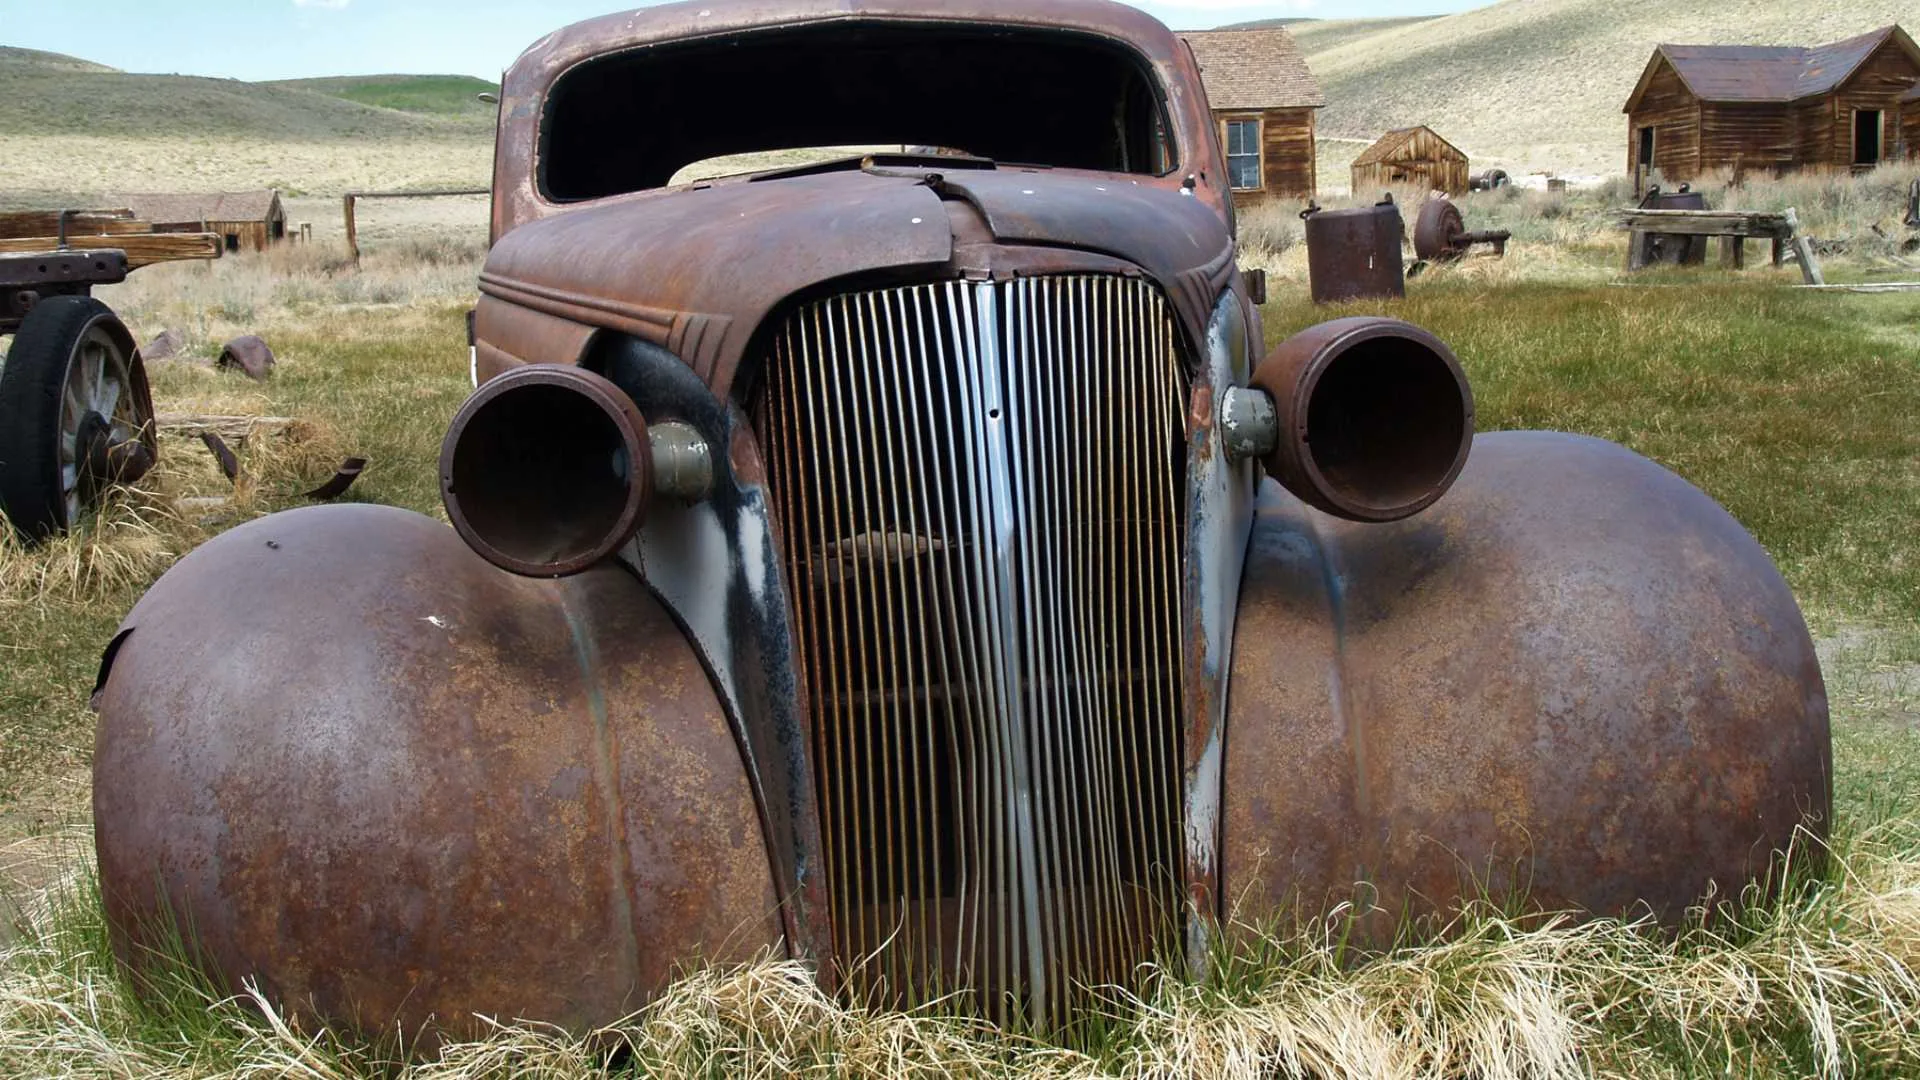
[{"x": 979, "y": 487}]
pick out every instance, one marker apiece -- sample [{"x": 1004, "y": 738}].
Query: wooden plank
[
  {"x": 21, "y": 224},
  {"x": 229, "y": 427},
  {"x": 142, "y": 249},
  {"x": 1721, "y": 227},
  {"x": 1703, "y": 215},
  {"x": 1733, "y": 252},
  {"x": 1803, "y": 248}
]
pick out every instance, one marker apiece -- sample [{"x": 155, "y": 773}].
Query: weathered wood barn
[
  {"x": 1765, "y": 108},
  {"x": 1264, "y": 99},
  {"x": 246, "y": 220},
  {"x": 1411, "y": 155}
]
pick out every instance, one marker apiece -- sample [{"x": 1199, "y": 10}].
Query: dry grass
[
  {"x": 1751, "y": 392},
  {"x": 1823, "y": 983}
]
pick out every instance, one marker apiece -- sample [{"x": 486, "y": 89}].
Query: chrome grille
[{"x": 980, "y": 489}]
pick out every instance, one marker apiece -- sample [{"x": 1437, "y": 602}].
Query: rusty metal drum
[
  {"x": 1678, "y": 249},
  {"x": 1355, "y": 254}
]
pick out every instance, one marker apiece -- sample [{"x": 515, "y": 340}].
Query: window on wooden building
[
  {"x": 1243, "y": 155},
  {"x": 1866, "y": 137}
]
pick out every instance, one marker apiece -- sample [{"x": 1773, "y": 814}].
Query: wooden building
[
  {"x": 1411, "y": 155},
  {"x": 1765, "y": 108},
  {"x": 1264, "y": 100},
  {"x": 246, "y": 220}
]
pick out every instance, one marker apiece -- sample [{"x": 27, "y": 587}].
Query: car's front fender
[{"x": 1575, "y": 678}]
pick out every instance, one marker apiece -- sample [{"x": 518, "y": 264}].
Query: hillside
[
  {"x": 72, "y": 129},
  {"x": 1538, "y": 84},
  {"x": 433, "y": 95},
  {"x": 10, "y": 54}
]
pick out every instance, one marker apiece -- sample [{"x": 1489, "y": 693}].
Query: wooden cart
[{"x": 75, "y": 413}]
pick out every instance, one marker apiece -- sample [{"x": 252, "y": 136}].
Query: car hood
[{"x": 698, "y": 269}]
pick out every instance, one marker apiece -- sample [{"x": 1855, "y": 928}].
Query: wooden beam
[
  {"x": 20, "y": 224},
  {"x": 143, "y": 249},
  {"x": 1803, "y": 248},
  {"x": 1733, "y": 252}
]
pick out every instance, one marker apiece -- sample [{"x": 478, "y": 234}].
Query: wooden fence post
[{"x": 353, "y": 236}]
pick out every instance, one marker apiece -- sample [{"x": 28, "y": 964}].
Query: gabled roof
[
  {"x": 163, "y": 209},
  {"x": 1768, "y": 73},
  {"x": 1392, "y": 141},
  {"x": 1254, "y": 69}
]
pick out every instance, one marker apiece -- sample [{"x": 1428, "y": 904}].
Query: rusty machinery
[
  {"x": 1678, "y": 249},
  {"x": 868, "y": 560},
  {"x": 1440, "y": 234}
]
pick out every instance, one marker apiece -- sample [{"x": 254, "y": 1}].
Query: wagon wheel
[
  {"x": 1435, "y": 234},
  {"x": 75, "y": 414}
]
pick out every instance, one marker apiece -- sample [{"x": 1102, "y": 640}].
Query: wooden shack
[
  {"x": 1769, "y": 109},
  {"x": 1411, "y": 155},
  {"x": 245, "y": 220},
  {"x": 1264, "y": 100}
]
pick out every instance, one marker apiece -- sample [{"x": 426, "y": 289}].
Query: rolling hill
[
  {"x": 1538, "y": 84},
  {"x": 433, "y": 95},
  {"x": 74, "y": 129},
  {"x": 1529, "y": 85}
]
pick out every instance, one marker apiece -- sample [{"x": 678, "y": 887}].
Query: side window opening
[{"x": 1243, "y": 155}]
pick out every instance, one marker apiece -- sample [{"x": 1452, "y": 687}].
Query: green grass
[
  {"x": 440, "y": 95},
  {"x": 1794, "y": 409}
]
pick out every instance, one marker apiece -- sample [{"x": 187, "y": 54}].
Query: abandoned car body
[{"x": 909, "y": 564}]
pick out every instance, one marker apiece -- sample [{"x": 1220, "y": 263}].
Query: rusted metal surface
[
  {"x": 248, "y": 354},
  {"x": 1355, "y": 254},
  {"x": 1440, "y": 234},
  {"x": 26, "y": 278},
  {"x": 1575, "y": 677},
  {"x": 716, "y": 565},
  {"x": 475, "y": 794},
  {"x": 524, "y": 89},
  {"x": 776, "y": 644},
  {"x": 1489, "y": 180},
  {"x": 1219, "y": 510},
  {"x": 547, "y": 470},
  {"x": 222, "y": 455},
  {"x": 337, "y": 484},
  {"x": 1375, "y": 417}
]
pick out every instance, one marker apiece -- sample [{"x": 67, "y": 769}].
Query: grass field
[
  {"x": 1793, "y": 408},
  {"x": 434, "y": 95}
]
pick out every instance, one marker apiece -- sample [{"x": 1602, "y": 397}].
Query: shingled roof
[
  {"x": 1768, "y": 73},
  {"x": 1385, "y": 147},
  {"x": 1254, "y": 69},
  {"x": 162, "y": 209}
]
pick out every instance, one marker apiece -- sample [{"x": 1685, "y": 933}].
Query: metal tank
[{"x": 1355, "y": 254}]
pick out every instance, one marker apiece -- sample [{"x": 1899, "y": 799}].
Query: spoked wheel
[{"x": 76, "y": 415}]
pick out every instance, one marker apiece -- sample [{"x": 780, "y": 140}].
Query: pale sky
[{"x": 286, "y": 39}]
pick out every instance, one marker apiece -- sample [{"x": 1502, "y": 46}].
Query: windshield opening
[{"x": 630, "y": 121}]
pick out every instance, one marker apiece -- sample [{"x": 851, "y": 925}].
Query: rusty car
[{"x": 913, "y": 562}]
